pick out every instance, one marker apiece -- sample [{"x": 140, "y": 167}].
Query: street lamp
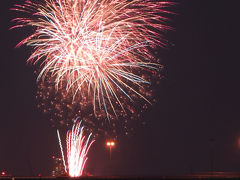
[
  {"x": 212, "y": 153},
  {"x": 110, "y": 145}
]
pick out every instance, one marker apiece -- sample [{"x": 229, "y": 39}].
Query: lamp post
[
  {"x": 212, "y": 154},
  {"x": 110, "y": 145}
]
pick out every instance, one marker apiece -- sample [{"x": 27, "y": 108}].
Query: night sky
[{"x": 199, "y": 101}]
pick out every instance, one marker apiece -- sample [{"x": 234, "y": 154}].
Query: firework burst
[
  {"x": 97, "y": 49},
  {"x": 77, "y": 149}
]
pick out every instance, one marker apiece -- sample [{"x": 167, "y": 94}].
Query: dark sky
[{"x": 199, "y": 101}]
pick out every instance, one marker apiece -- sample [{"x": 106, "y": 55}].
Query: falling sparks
[
  {"x": 77, "y": 148},
  {"x": 99, "y": 49},
  {"x": 58, "y": 107}
]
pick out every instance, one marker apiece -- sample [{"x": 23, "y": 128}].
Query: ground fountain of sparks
[{"x": 77, "y": 148}]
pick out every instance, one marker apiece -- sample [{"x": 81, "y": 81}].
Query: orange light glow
[{"x": 110, "y": 143}]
